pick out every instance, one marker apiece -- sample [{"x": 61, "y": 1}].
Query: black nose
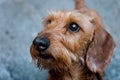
[{"x": 41, "y": 43}]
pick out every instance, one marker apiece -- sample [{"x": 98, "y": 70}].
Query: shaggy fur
[{"x": 82, "y": 55}]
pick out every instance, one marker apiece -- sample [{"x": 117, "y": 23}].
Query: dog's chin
[
  {"x": 44, "y": 63},
  {"x": 48, "y": 62}
]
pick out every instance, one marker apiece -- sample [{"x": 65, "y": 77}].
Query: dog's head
[{"x": 70, "y": 37}]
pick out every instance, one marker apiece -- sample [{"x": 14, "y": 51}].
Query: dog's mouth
[{"x": 45, "y": 56}]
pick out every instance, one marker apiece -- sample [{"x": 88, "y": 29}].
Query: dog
[{"x": 74, "y": 45}]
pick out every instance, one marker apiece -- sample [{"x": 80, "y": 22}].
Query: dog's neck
[{"x": 74, "y": 72}]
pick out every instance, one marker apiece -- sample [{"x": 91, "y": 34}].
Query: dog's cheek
[
  {"x": 70, "y": 42},
  {"x": 61, "y": 54}
]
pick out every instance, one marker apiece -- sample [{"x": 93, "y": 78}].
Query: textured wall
[{"x": 20, "y": 20}]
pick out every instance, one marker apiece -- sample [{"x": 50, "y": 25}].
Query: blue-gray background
[{"x": 20, "y": 20}]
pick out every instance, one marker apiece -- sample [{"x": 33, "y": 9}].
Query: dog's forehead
[
  {"x": 66, "y": 17},
  {"x": 64, "y": 14}
]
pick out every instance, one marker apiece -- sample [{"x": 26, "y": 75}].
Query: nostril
[
  {"x": 41, "y": 43},
  {"x": 36, "y": 41}
]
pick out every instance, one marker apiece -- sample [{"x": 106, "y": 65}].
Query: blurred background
[{"x": 20, "y": 21}]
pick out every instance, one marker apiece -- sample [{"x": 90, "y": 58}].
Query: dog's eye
[
  {"x": 49, "y": 21},
  {"x": 74, "y": 27}
]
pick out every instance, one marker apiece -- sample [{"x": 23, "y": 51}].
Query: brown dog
[{"x": 74, "y": 45}]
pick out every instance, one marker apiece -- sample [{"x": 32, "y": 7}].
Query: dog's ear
[{"x": 100, "y": 50}]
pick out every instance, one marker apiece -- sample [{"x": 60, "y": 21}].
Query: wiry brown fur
[{"x": 73, "y": 58}]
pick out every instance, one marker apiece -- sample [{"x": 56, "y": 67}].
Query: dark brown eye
[
  {"x": 49, "y": 21},
  {"x": 74, "y": 27}
]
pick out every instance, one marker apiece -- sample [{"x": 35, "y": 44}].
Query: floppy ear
[{"x": 100, "y": 50}]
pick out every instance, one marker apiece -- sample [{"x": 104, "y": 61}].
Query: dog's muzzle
[{"x": 41, "y": 44}]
